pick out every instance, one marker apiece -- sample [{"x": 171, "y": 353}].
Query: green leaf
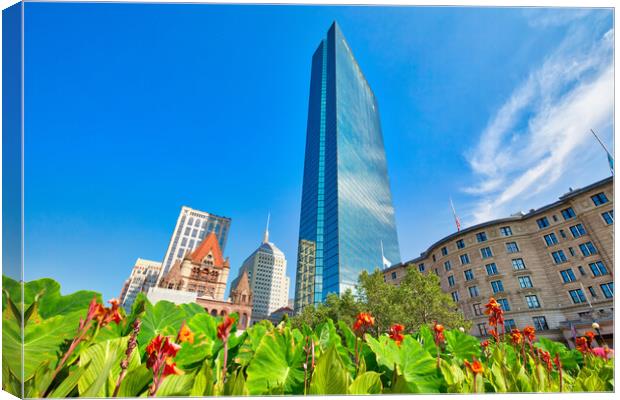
[
  {"x": 203, "y": 381},
  {"x": 419, "y": 369},
  {"x": 136, "y": 382},
  {"x": 366, "y": 383},
  {"x": 386, "y": 351},
  {"x": 69, "y": 383},
  {"x": 461, "y": 346},
  {"x": 162, "y": 318},
  {"x": 176, "y": 385},
  {"x": 235, "y": 385},
  {"x": 277, "y": 362},
  {"x": 330, "y": 375},
  {"x": 101, "y": 375}
]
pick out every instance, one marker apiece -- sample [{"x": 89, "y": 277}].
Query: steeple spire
[{"x": 266, "y": 235}]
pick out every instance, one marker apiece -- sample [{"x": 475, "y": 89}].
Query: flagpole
[{"x": 609, "y": 156}]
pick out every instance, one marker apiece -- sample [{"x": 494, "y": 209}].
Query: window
[
  {"x": 559, "y": 257},
  {"x": 460, "y": 244},
  {"x": 540, "y": 323},
  {"x": 555, "y": 218},
  {"x": 598, "y": 268},
  {"x": 571, "y": 251},
  {"x": 491, "y": 269},
  {"x": 497, "y": 286},
  {"x": 587, "y": 249},
  {"x": 568, "y": 275},
  {"x": 504, "y": 304},
  {"x": 551, "y": 239},
  {"x": 525, "y": 282},
  {"x": 581, "y": 270},
  {"x": 599, "y": 199},
  {"x": 486, "y": 252},
  {"x": 455, "y": 296},
  {"x": 608, "y": 290},
  {"x": 464, "y": 259},
  {"x": 393, "y": 275},
  {"x": 568, "y": 213},
  {"x": 532, "y": 301},
  {"x": 592, "y": 291},
  {"x": 577, "y": 296},
  {"x": 469, "y": 275},
  {"x": 481, "y": 237},
  {"x": 505, "y": 231},
  {"x": 512, "y": 247},
  {"x": 436, "y": 272},
  {"x": 509, "y": 325},
  {"x": 477, "y": 309},
  {"x": 447, "y": 266},
  {"x": 194, "y": 232},
  {"x": 518, "y": 264},
  {"x": 451, "y": 280},
  {"x": 473, "y": 291},
  {"x": 542, "y": 222},
  {"x": 444, "y": 251},
  {"x": 421, "y": 267},
  {"x": 434, "y": 258},
  {"x": 562, "y": 233},
  {"x": 608, "y": 217},
  {"x": 482, "y": 329},
  {"x": 577, "y": 230}
]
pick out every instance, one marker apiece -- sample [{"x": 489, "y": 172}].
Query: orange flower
[
  {"x": 362, "y": 322},
  {"x": 484, "y": 344},
  {"x": 439, "y": 337},
  {"x": 224, "y": 328},
  {"x": 185, "y": 334},
  {"x": 105, "y": 315},
  {"x": 170, "y": 368},
  {"x": 516, "y": 337},
  {"x": 530, "y": 333},
  {"x": 590, "y": 336},
  {"x": 475, "y": 366},
  {"x": 495, "y": 312},
  {"x": 395, "y": 333},
  {"x": 546, "y": 359},
  {"x": 161, "y": 351},
  {"x": 581, "y": 343}
]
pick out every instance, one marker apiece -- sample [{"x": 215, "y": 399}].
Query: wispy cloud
[
  {"x": 526, "y": 145},
  {"x": 549, "y": 17}
]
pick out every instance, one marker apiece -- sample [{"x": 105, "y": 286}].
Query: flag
[
  {"x": 385, "y": 261},
  {"x": 457, "y": 221},
  {"x": 610, "y": 160}
]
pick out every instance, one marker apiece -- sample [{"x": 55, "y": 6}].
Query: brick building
[{"x": 551, "y": 268}]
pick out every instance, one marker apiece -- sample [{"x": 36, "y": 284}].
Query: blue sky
[{"x": 134, "y": 110}]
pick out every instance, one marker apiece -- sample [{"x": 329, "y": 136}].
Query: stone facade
[
  {"x": 553, "y": 266},
  {"x": 203, "y": 273}
]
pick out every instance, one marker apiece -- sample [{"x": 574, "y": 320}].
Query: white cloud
[
  {"x": 526, "y": 145},
  {"x": 549, "y": 17}
]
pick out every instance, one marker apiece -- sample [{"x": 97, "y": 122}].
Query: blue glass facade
[{"x": 347, "y": 215}]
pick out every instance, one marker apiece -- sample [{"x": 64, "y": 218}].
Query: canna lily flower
[
  {"x": 581, "y": 343},
  {"x": 395, "y": 333},
  {"x": 105, "y": 315},
  {"x": 439, "y": 337},
  {"x": 603, "y": 352},
  {"x": 185, "y": 334},
  {"x": 516, "y": 337},
  {"x": 484, "y": 344},
  {"x": 224, "y": 328},
  {"x": 170, "y": 368},
  {"x": 546, "y": 359},
  {"x": 589, "y": 337},
  {"x": 475, "y": 366},
  {"x": 161, "y": 351},
  {"x": 530, "y": 333},
  {"x": 495, "y": 335},
  {"x": 496, "y": 316},
  {"x": 364, "y": 320}
]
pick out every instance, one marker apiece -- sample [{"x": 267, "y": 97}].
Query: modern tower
[
  {"x": 191, "y": 228},
  {"x": 266, "y": 270},
  {"x": 347, "y": 218}
]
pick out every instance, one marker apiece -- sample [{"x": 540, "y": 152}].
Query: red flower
[
  {"x": 363, "y": 322},
  {"x": 590, "y": 337},
  {"x": 105, "y": 315},
  {"x": 439, "y": 337},
  {"x": 224, "y": 328},
  {"x": 516, "y": 337},
  {"x": 557, "y": 361},
  {"x": 395, "y": 333},
  {"x": 530, "y": 333},
  {"x": 484, "y": 344},
  {"x": 495, "y": 312},
  {"x": 495, "y": 335},
  {"x": 475, "y": 367},
  {"x": 546, "y": 359},
  {"x": 582, "y": 345},
  {"x": 161, "y": 351}
]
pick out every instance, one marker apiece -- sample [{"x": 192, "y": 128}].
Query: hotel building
[
  {"x": 266, "y": 269},
  {"x": 191, "y": 228},
  {"x": 143, "y": 277},
  {"x": 347, "y": 220},
  {"x": 551, "y": 268}
]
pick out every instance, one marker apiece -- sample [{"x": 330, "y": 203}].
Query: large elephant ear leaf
[
  {"x": 419, "y": 369},
  {"x": 162, "y": 318},
  {"x": 461, "y": 346},
  {"x": 330, "y": 375}
]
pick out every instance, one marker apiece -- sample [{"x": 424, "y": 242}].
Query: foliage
[{"x": 212, "y": 359}]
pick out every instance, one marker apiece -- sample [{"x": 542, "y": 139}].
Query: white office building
[
  {"x": 191, "y": 228},
  {"x": 266, "y": 269},
  {"x": 143, "y": 277}
]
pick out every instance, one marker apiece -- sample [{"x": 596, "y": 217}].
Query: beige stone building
[{"x": 551, "y": 268}]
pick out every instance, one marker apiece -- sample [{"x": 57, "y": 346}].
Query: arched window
[
  {"x": 214, "y": 312},
  {"x": 223, "y": 313},
  {"x": 244, "y": 320}
]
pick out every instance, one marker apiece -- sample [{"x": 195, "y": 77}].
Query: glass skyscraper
[{"x": 347, "y": 218}]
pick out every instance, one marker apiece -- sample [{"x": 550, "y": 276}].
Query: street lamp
[{"x": 597, "y": 328}]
